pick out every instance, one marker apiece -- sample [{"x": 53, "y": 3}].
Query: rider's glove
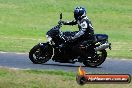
[{"x": 61, "y": 22}]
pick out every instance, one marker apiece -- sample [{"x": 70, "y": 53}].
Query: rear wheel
[
  {"x": 39, "y": 56},
  {"x": 98, "y": 60}
]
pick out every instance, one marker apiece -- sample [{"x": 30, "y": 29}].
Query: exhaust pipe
[{"x": 103, "y": 46}]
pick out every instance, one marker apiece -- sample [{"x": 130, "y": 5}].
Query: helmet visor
[{"x": 76, "y": 14}]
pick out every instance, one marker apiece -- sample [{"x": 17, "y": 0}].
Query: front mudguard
[{"x": 45, "y": 46}]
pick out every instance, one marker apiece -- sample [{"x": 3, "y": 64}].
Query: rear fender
[{"x": 101, "y": 37}]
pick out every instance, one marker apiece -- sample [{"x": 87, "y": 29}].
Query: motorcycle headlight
[{"x": 49, "y": 38}]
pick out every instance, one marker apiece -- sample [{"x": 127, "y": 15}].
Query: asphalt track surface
[{"x": 21, "y": 61}]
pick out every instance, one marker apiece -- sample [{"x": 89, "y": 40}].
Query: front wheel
[
  {"x": 98, "y": 60},
  {"x": 39, "y": 55}
]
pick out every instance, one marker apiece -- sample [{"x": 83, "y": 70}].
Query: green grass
[
  {"x": 12, "y": 78},
  {"x": 24, "y": 22}
]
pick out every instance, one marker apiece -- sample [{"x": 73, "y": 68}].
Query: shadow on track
[{"x": 68, "y": 65}]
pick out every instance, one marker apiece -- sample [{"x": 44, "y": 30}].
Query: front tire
[
  {"x": 94, "y": 62},
  {"x": 38, "y": 56}
]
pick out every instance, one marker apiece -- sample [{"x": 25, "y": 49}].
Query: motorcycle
[{"x": 57, "y": 48}]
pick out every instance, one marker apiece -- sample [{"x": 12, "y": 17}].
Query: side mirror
[{"x": 60, "y": 16}]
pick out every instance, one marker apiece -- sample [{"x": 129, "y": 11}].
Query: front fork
[{"x": 46, "y": 47}]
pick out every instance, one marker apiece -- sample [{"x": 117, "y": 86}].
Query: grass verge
[{"x": 12, "y": 78}]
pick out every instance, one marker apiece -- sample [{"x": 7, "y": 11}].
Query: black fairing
[
  {"x": 67, "y": 33},
  {"x": 53, "y": 32}
]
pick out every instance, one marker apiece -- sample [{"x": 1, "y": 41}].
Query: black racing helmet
[{"x": 79, "y": 13}]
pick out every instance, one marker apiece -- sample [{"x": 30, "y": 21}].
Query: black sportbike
[{"x": 60, "y": 50}]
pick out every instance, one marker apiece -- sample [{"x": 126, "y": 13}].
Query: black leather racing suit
[{"x": 85, "y": 32}]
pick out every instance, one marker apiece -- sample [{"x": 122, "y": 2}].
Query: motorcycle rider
[{"x": 86, "y": 31}]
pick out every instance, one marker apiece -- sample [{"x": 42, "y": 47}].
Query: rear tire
[
  {"x": 99, "y": 59},
  {"x": 37, "y": 56}
]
